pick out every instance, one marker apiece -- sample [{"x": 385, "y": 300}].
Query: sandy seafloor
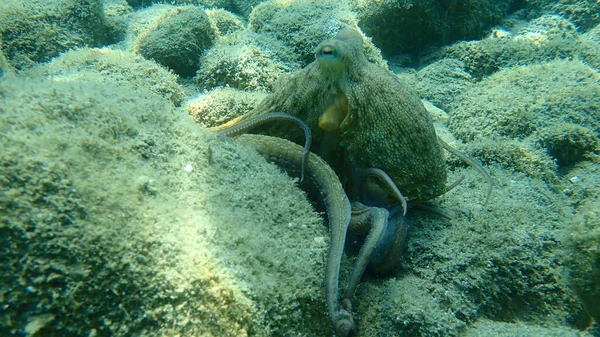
[{"x": 121, "y": 215}]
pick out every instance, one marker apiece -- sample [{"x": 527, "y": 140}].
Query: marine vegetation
[{"x": 372, "y": 142}]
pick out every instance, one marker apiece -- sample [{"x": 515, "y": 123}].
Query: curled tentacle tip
[{"x": 343, "y": 322}]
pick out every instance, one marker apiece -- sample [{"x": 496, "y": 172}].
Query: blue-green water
[{"x": 122, "y": 215}]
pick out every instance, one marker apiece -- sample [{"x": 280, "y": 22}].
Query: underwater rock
[
  {"x": 500, "y": 263},
  {"x": 121, "y": 217},
  {"x": 518, "y": 155},
  {"x": 491, "y": 328},
  {"x": 241, "y": 7},
  {"x": 411, "y": 26},
  {"x": 527, "y": 103},
  {"x": 593, "y": 34},
  {"x": 583, "y": 13},
  {"x": 224, "y": 21},
  {"x": 220, "y": 105},
  {"x": 303, "y": 24},
  {"x": 583, "y": 256},
  {"x": 546, "y": 38},
  {"x": 246, "y": 61},
  {"x": 410, "y": 308},
  {"x": 569, "y": 143},
  {"x": 547, "y": 27},
  {"x": 443, "y": 82},
  {"x": 117, "y": 14},
  {"x": 5, "y": 66},
  {"x": 172, "y": 36},
  {"x": 103, "y": 65},
  {"x": 36, "y": 31}
]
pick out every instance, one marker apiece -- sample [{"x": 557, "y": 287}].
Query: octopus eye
[
  {"x": 329, "y": 54},
  {"x": 329, "y": 51}
]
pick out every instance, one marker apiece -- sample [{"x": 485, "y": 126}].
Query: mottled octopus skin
[{"x": 386, "y": 127}]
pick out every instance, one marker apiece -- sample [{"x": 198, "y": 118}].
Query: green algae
[
  {"x": 36, "y": 31},
  {"x": 120, "y": 216}
]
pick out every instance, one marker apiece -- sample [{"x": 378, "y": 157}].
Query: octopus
[{"x": 370, "y": 149}]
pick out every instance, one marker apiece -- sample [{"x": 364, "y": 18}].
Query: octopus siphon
[{"x": 370, "y": 149}]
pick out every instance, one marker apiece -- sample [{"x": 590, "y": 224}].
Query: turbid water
[{"x": 122, "y": 215}]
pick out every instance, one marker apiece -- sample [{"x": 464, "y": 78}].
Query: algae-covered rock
[
  {"x": 582, "y": 236},
  {"x": 526, "y": 99},
  {"x": 410, "y": 308},
  {"x": 547, "y": 27},
  {"x": 593, "y": 34},
  {"x": 102, "y": 65},
  {"x": 492, "y": 328},
  {"x": 580, "y": 183},
  {"x": 517, "y": 155},
  {"x": 37, "y": 30},
  {"x": 221, "y": 105},
  {"x": 119, "y": 217},
  {"x": 172, "y": 36},
  {"x": 117, "y": 14},
  {"x": 303, "y": 24},
  {"x": 583, "y": 256},
  {"x": 546, "y": 38},
  {"x": 569, "y": 143},
  {"x": 241, "y": 7},
  {"x": 224, "y": 21},
  {"x": 5, "y": 66},
  {"x": 584, "y": 13},
  {"x": 529, "y": 102},
  {"x": 499, "y": 262},
  {"x": 412, "y": 25},
  {"x": 147, "y": 3},
  {"x": 443, "y": 82},
  {"x": 245, "y": 60}
]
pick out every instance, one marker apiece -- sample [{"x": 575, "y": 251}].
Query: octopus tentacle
[
  {"x": 241, "y": 125},
  {"x": 384, "y": 177},
  {"x": 454, "y": 184},
  {"x": 473, "y": 163},
  {"x": 338, "y": 212},
  {"x": 364, "y": 216},
  {"x": 386, "y": 256}
]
